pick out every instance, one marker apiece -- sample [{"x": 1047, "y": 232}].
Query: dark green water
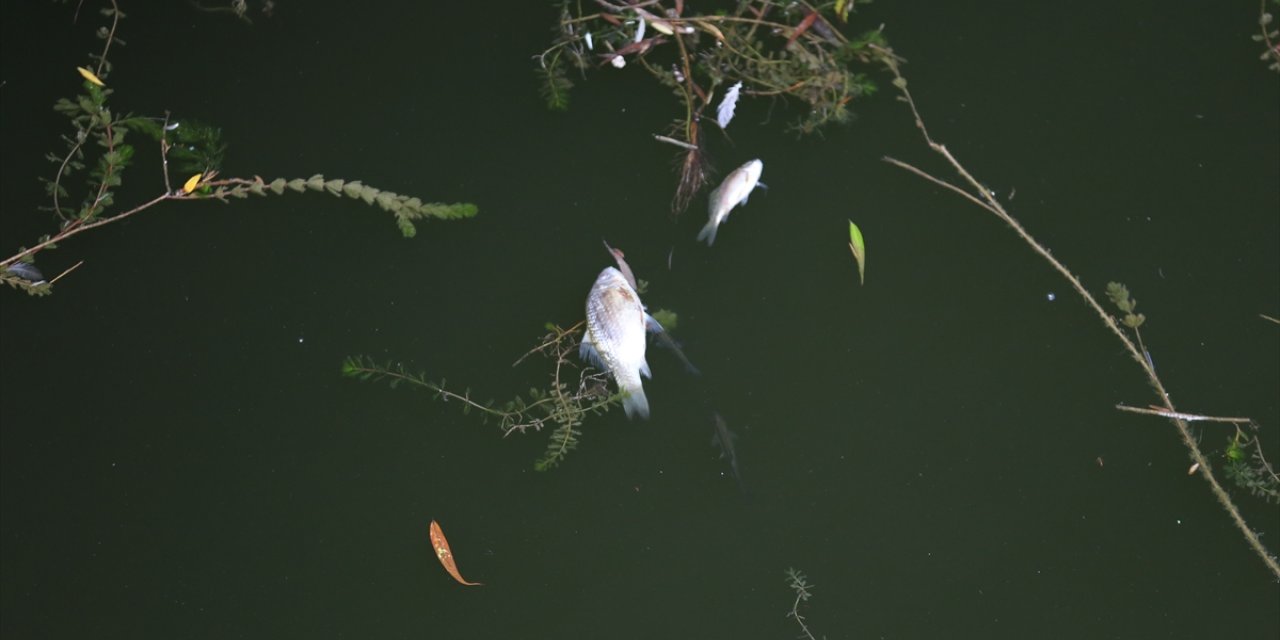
[{"x": 181, "y": 459}]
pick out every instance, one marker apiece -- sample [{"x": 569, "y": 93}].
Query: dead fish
[
  {"x": 26, "y": 271},
  {"x": 724, "y": 438},
  {"x": 615, "y": 337},
  {"x": 735, "y": 190}
]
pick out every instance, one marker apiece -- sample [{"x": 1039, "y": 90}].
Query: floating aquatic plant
[
  {"x": 572, "y": 393},
  {"x": 97, "y": 148},
  {"x": 758, "y": 49}
]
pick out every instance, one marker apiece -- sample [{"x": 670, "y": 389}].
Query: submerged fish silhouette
[
  {"x": 735, "y": 190},
  {"x": 724, "y": 437},
  {"x": 26, "y": 271}
]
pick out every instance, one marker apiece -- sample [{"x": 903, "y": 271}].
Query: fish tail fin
[
  {"x": 708, "y": 233},
  {"x": 634, "y": 403}
]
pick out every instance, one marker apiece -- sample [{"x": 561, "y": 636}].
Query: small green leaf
[
  {"x": 859, "y": 249},
  {"x": 667, "y": 318},
  {"x": 1234, "y": 452}
]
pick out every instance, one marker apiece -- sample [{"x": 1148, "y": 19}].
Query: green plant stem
[
  {"x": 111, "y": 37},
  {"x": 359, "y": 369},
  {"x": 988, "y": 201}
]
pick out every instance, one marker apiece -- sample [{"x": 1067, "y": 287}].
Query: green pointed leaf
[{"x": 859, "y": 249}]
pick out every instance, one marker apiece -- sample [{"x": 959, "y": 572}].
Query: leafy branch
[
  {"x": 570, "y": 396},
  {"x": 98, "y": 140},
  {"x": 974, "y": 191}
]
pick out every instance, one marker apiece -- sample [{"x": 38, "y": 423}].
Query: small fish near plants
[{"x": 757, "y": 50}]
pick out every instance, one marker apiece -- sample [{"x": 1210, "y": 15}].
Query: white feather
[
  {"x": 591, "y": 46},
  {"x": 640, "y": 31},
  {"x": 724, "y": 113}
]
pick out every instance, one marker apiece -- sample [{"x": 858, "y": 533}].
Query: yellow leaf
[
  {"x": 191, "y": 183},
  {"x": 711, "y": 29},
  {"x": 88, "y": 75}
]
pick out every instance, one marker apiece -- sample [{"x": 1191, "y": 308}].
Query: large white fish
[
  {"x": 615, "y": 337},
  {"x": 735, "y": 190}
]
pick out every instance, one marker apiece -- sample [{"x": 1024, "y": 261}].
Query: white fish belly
[{"x": 615, "y": 328}]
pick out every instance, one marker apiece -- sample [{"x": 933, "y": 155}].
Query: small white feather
[
  {"x": 640, "y": 31},
  {"x": 725, "y": 111}
]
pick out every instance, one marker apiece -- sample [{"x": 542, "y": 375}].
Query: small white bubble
[
  {"x": 1051, "y": 296},
  {"x": 299, "y": 339}
]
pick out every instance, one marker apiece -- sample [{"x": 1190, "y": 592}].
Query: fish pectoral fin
[
  {"x": 652, "y": 325},
  {"x": 761, "y": 185},
  {"x": 644, "y": 369},
  {"x": 587, "y": 351}
]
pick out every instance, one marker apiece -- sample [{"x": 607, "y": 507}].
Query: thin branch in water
[
  {"x": 678, "y": 143},
  {"x": 1186, "y": 417},
  {"x": 69, "y": 270},
  {"x": 987, "y": 200}
]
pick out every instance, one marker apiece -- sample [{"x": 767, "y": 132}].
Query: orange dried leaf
[
  {"x": 803, "y": 26},
  {"x": 441, "y": 545}
]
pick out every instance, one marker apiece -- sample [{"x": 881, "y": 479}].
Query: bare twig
[
  {"x": 69, "y": 270},
  {"x": 678, "y": 143}
]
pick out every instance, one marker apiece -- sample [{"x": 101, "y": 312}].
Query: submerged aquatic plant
[
  {"x": 97, "y": 148},
  {"x": 572, "y": 393},
  {"x": 803, "y": 590},
  {"x": 758, "y": 49},
  {"x": 1268, "y": 35},
  {"x": 1248, "y": 467}
]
